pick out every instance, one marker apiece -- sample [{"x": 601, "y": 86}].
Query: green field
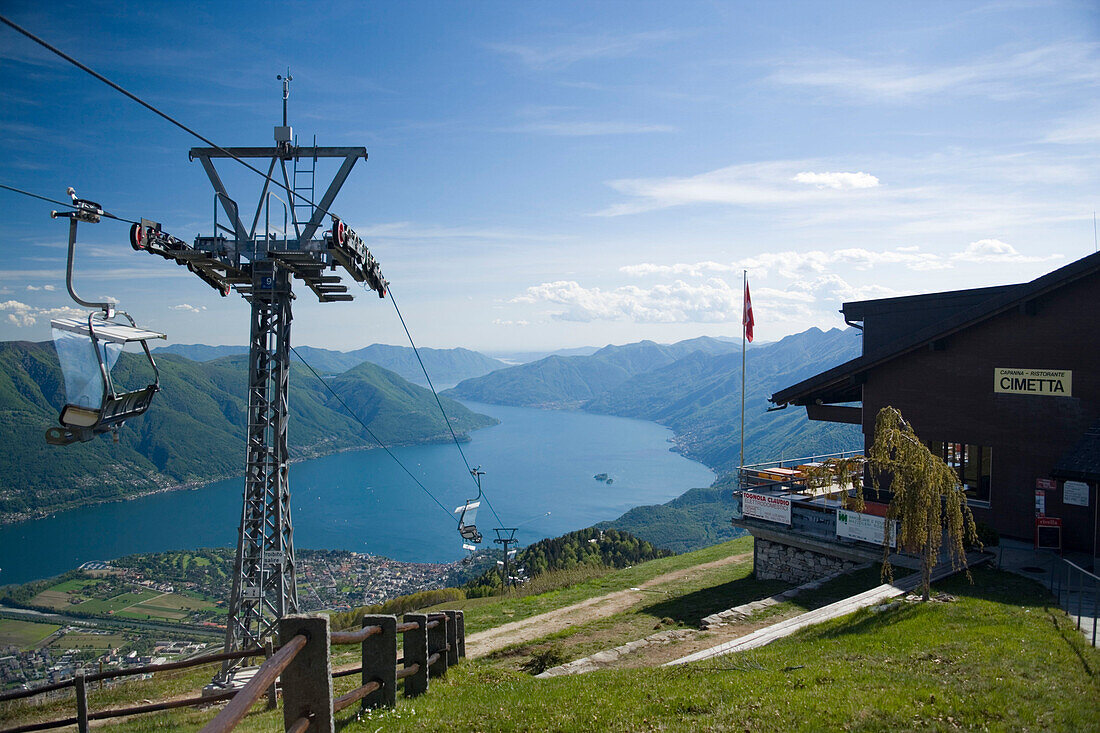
[
  {"x": 83, "y": 640},
  {"x": 117, "y": 603},
  {"x": 76, "y": 584},
  {"x": 24, "y": 634}
]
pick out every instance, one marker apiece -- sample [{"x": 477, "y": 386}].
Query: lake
[{"x": 535, "y": 461}]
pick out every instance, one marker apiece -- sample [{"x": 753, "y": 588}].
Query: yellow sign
[{"x": 1048, "y": 382}]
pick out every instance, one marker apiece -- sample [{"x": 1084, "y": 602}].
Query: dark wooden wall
[{"x": 948, "y": 395}]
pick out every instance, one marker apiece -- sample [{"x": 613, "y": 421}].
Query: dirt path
[{"x": 535, "y": 627}]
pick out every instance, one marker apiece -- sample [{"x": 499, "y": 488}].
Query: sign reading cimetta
[
  {"x": 768, "y": 508},
  {"x": 1048, "y": 382}
]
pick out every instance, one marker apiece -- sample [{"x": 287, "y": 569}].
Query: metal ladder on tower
[{"x": 304, "y": 185}]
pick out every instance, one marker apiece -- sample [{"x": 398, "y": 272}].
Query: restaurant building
[{"x": 1003, "y": 383}]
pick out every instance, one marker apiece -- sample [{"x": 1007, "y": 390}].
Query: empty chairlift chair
[{"x": 87, "y": 350}]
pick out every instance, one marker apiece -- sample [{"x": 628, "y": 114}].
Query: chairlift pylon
[{"x": 87, "y": 350}]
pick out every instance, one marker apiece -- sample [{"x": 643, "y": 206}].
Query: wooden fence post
[
  {"x": 416, "y": 652},
  {"x": 452, "y": 638},
  {"x": 437, "y": 642},
  {"x": 272, "y": 692},
  {"x": 307, "y": 680},
  {"x": 380, "y": 662},
  {"x": 81, "y": 702},
  {"x": 460, "y": 623}
]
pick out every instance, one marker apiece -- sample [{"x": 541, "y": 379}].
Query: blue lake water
[{"x": 535, "y": 461}]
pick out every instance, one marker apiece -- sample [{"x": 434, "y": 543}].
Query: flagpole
[{"x": 744, "y": 289}]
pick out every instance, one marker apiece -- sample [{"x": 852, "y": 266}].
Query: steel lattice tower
[{"x": 261, "y": 265}]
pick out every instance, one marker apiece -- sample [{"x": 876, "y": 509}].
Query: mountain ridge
[{"x": 194, "y": 430}]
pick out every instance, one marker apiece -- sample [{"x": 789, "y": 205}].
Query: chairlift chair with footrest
[{"x": 87, "y": 349}]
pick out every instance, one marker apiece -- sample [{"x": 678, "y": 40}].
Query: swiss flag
[{"x": 746, "y": 317}]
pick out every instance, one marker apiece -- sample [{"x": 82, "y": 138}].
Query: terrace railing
[{"x": 302, "y": 661}]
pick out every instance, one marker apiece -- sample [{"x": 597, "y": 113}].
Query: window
[{"x": 972, "y": 464}]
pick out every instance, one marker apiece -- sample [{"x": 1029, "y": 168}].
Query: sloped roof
[
  {"x": 843, "y": 383},
  {"x": 1082, "y": 461}
]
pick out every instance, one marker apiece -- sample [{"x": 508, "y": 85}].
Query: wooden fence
[{"x": 431, "y": 643}]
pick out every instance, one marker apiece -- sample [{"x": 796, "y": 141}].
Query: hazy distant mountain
[
  {"x": 699, "y": 397},
  {"x": 524, "y": 357},
  {"x": 559, "y": 381},
  {"x": 694, "y": 387},
  {"x": 446, "y": 367},
  {"x": 194, "y": 430}
]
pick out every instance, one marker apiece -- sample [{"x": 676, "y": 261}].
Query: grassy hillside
[
  {"x": 194, "y": 430},
  {"x": 695, "y": 519},
  {"x": 995, "y": 655}
]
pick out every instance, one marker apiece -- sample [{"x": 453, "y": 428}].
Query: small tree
[{"x": 928, "y": 501}]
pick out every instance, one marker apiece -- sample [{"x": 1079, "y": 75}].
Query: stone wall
[{"x": 774, "y": 561}]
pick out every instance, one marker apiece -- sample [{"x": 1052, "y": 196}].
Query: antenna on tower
[{"x": 286, "y": 89}]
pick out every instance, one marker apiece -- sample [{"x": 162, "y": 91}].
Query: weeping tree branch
[{"x": 928, "y": 502}]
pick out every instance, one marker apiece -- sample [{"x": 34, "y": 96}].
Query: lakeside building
[{"x": 1002, "y": 382}]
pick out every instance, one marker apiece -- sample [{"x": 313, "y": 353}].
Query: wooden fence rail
[{"x": 431, "y": 644}]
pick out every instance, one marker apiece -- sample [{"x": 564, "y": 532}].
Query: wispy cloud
[
  {"x": 956, "y": 191},
  {"x": 412, "y": 230},
  {"x": 791, "y": 264},
  {"x": 798, "y": 265},
  {"x": 748, "y": 184},
  {"x": 711, "y": 301},
  {"x": 565, "y": 52},
  {"x": 584, "y": 129},
  {"x": 1004, "y": 75},
  {"x": 837, "y": 180},
  {"x": 1081, "y": 129}
]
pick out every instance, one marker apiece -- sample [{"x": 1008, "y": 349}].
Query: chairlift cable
[
  {"x": 371, "y": 433},
  {"x": 389, "y": 291},
  {"x": 69, "y": 204},
  {"x": 53, "y": 49}
]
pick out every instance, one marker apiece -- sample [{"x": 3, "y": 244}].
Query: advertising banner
[
  {"x": 768, "y": 508},
  {"x": 865, "y": 527}
]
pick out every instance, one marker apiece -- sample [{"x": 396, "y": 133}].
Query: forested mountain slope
[
  {"x": 699, "y": 397},
  {"x": 445, "y": 366},
  {"x": 194, "y": 430}
]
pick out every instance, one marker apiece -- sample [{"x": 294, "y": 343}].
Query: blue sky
[{"x": 547, "y": 175}]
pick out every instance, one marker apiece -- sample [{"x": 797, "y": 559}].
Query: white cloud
[
  {"x": 48, "y": 288},
  {"x": 838, "y": 180},
  {"x": 792, "y": 264},
  {"x": 713, "y": 301},
  {"x": 994, "y": 250},
  {"x": 188, "y": 308},
  {"x": 1000, "y": 76},
  {"x": 24, "y": 315},
  {"x": 502, "y": 322}
]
